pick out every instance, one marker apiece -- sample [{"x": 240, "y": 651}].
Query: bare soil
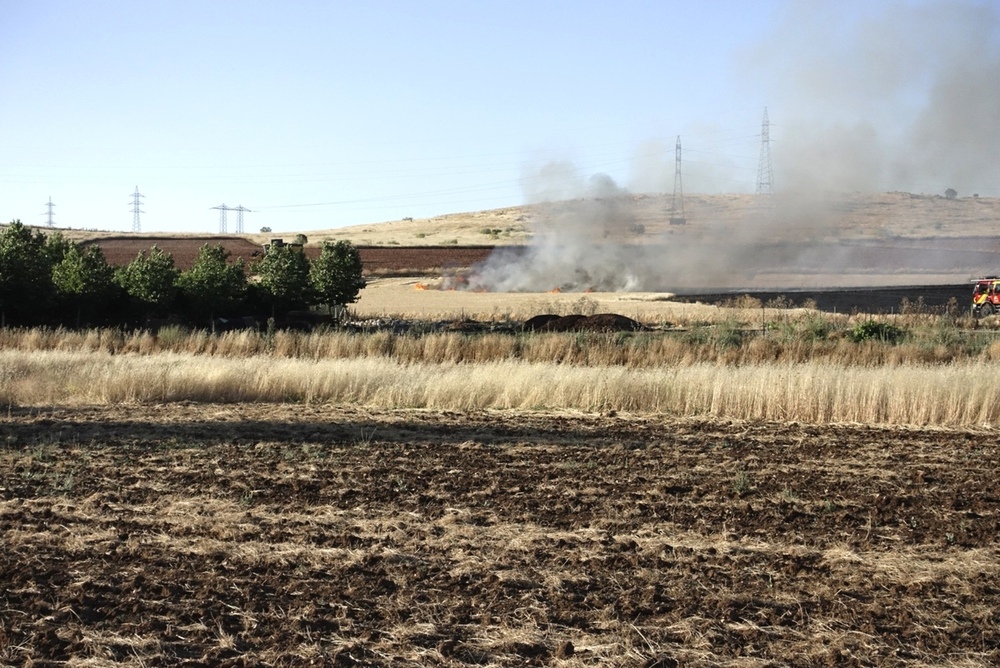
[
  {"x": 414, "y": 260},
  {"x": 312, "y": 535}
]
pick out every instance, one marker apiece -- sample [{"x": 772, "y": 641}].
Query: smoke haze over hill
[
  {"x": 895, "y": 97},
  {"x": 905, "y": 98}
]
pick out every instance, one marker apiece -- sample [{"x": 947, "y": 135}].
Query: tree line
[{"x": 49, "y": 280}]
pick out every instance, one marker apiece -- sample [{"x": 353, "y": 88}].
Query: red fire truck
[{"x": 986, "y": 296}]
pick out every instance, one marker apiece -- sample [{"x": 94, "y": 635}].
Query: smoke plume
[
  {"x": 581, "y": 241},
  {"x": 903, "y": 98},
  {"x": 870, "y": 99}
]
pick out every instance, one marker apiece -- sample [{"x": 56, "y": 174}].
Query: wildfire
[
  {"x": 555, "y": 290},
  {"x": 420, "y": 286}
]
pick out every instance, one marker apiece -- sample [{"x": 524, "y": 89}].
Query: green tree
[
  {"x": 284, "y": 279},
  {"x": 336, "y": 274},
  {"x": 56, "y": 247},
  {"x": 25, "y": 274},
  {"x": 84, "y": 279},
  {"x": 150, "y": 280},
  {"x": 213, "y": 285}
]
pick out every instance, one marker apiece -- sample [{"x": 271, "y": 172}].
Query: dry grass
[
  {"x": 961, "y": 394},
  {"x": 791, "y": 336},
  {"x": 844, "y": 216},
  {"x": 804, "y": 368},
  {"x": 398, "y": 297}
]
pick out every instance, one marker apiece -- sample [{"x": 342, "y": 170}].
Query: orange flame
[
  {"x": 419, "y": 286},
  {"x": 554, "y": 290}
]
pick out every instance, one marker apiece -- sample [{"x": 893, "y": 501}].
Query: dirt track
[{"x": 289, "y": 535}]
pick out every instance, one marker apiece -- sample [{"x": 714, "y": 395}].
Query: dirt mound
[
  {"x": 602, "y": 322},
  {"x": 566, "y": 323},
  {"x": 539, "y": 321},
  {"x": 609, "y": 322}
]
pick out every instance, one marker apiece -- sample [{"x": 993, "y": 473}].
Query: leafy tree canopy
[
  {"x": 150, "y": 279},
  {"x": 84, "y": 274},
  {"x": 284, "y": 278},
  {"x": 84, "y": 277},
  {"x": 212, "y": 284},
  {"x": 25, "y": 271},
  {"x": 336, "y": 274}
]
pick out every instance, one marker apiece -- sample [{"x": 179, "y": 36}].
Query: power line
[
  {"x": 765, "y": 176},
  {"x": 135, "y": 209},
  {"x": 677, "y": 202},
  {"x": 222, "y": 216},
  {"x": 240, "y": 210},
  {"x": 50, "y": 206}
]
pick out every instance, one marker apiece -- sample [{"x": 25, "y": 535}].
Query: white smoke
[
  {"x": 904, "y": 98},
  {"x": 901, "y": 96},
  {"x": 584, "y": 239}
]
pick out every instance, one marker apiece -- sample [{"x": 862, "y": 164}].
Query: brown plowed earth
[
  {"x": 120, "y": 251},
  {"x": 308, "y": 535}
]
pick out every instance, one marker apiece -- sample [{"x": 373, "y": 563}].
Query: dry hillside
[
  {"x": 844, "y": 216},
  {"x": 853, "y": 216}
]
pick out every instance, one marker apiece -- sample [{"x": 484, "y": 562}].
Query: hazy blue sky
[{"x": 323, "y": 114}]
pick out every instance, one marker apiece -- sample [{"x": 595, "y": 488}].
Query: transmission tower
[
  {"x": 135, "y": 209},
  {"x": 50, "y": 206},
  {"x": 765, "y": 176},
  {"x": 240, "y": 210},
  {"x": 222, "y": 216},
  {"x": 677, "y": 203}
]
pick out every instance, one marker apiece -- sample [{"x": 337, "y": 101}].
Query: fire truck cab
[{"x": 986, "y": 296}]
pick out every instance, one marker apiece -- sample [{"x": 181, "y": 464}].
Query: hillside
[
  {"x": 851, "y": 216},
  {"x": 857, "y": 216}
]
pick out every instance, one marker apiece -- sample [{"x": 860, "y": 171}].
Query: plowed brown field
[
  {"x": 120, "y": 251},
  {"x": 289, "y": 535}
]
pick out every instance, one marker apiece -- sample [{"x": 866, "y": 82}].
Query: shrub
[
  {"x": 728, "y": 334},
  {"x": 877, "y": 331}
]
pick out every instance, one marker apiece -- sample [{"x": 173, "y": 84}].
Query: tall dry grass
[
  {"x": 730, "y": 342},
  {"x": 959, "y": 394}
]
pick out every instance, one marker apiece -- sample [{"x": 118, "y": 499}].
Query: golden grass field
[
  {"x": 802, "y": 367},
  {"x": 402, "y": 298}
]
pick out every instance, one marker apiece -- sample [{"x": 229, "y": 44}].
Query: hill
[
  {"x": 833, "y": 216},
  {"x": 627, "y": 243},
  {"x": 860, "y": 216}
]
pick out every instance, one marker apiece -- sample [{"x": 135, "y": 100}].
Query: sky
[{"x": 322, "y": 114}]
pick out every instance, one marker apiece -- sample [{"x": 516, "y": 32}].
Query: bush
[
  {"x": 877, "y": 331},
  {"x": 728, "y": 334}
]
